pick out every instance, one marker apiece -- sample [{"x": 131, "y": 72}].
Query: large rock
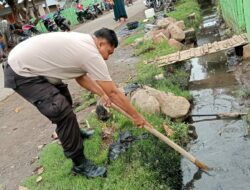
[
  {"x": 173, "y": 106},
  {"x": 151, "y": 100},
  {"x": 150, "y": 35},
  {"x": 176, "y": 44},
  {"x": 166, "y": 33},
  {"x": 176, "y": 33},
  {"x": 159, "y": 38},
  {"x": 165, "y": 22},
  {"x": 246, "y": 52},
  {"x": 181, "y": 24},
  {"x": 145, "y": 102}
]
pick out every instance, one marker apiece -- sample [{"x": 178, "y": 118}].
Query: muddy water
[{"x": 223, "y": 145}]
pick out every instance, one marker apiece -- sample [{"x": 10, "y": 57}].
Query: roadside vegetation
[
  {"x": 183, "y": 9},
  {"x": 149, "y": 163}
]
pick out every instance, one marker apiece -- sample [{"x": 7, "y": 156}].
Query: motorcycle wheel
[
  {"x": 100, "y": 12},
  {"x": 65, "y": 27},
  {"x": 80, "y": 20},
  {"x": 94, "y": 16}
]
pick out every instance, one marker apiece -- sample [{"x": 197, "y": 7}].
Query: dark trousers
[{"x": 54, "y": 102}]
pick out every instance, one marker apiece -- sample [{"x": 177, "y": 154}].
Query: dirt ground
[{"x": 23, "y": 128}]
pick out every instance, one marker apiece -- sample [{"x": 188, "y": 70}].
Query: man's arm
[{"x": 119, "y": 99}]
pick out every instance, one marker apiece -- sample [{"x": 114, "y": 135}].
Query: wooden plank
[
  {"x": 205, "y": 49},
  {"x": 242, "y": 39},
  {"x": 225, "y": 44},
  {"x": 221, "y": 45},
  {"x": 163, "y": 61},
  {"x": 162, "y": 57},
  {"x": 185, "y": 55},
  {"x": 172, "y": 57},
  {"x": 198, "y": 52},
  {"x": 244, "y": 36},
  {"x": 212, "y": 50},
  {"x": 216, "y": 46},
  {"x": 192, "y": 52},
  {"x": 237, "y": 40},
  {"x": 230, "y": 42}
]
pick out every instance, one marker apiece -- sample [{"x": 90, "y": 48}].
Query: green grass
[
  {"x": 185, "y": 8},
  {"x": 149, "y": 163},
  {"x": 148, "y": 50},
  {"x": 130, "y": 40},
  {"x": 176, "y": 82},
  {"x": 87, "y": 99}
]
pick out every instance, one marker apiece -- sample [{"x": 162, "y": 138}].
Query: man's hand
[
  {"x": 105, "y": 101},
  {"x": 141, "y": 122}
]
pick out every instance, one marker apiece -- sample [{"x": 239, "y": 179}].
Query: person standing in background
[{"x": 119, "y": 11}]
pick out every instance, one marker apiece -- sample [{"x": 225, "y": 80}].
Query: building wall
[
  {"x": 246, "y": 5},
  {"x": 233, "y": 13}
]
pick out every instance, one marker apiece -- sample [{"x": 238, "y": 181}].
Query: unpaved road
[{"x": 22, "y": 132}]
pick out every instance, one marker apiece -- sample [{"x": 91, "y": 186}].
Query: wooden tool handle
[{"x": 170, "y": 143}]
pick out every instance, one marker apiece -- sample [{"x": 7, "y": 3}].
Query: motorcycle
[
  {"x": 84, "y": 14},
  {"x": 20, "y": 33},
  {"x": 61, "y": 22},
  {"x": 160, "y": 5},
  {"x": 97, "y": 8},
  {"x": 49, "y": 24},
  {"x": 30, "y": 29}
]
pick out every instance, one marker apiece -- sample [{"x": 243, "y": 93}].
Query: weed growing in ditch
[{"x": 183, "y": 9}]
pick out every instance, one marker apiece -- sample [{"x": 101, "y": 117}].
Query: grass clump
[
  {"x": 183, "y": 9},
  {"x": 87, "y": 99},
  {"x": 148, "y": 50},
  {"x": 130, "y": 40}
]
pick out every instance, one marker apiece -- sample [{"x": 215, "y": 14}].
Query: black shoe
[
  {"x": 89, "y": 170},
  {"x": 86, "y": 134}
]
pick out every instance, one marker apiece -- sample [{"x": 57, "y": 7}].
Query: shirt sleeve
[{"x": 97, "y": 69}]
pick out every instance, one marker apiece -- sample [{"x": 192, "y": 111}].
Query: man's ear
[{"x": 98, "y": 44}]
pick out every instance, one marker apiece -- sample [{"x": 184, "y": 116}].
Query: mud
[{"x": 221, "y": 144}]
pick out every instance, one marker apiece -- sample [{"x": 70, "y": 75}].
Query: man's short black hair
[{"x": 107, "y": 34}]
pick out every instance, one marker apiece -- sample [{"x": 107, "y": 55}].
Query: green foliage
[
  {"x": 131, "y": 39},
  {"x": 148, "y": 50},
  {"x": 149, "y": 163},
  {"x": 87, "y": 99},
  {"x": 176, "y": 83},
  {"x": 185, "y": 8}
]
